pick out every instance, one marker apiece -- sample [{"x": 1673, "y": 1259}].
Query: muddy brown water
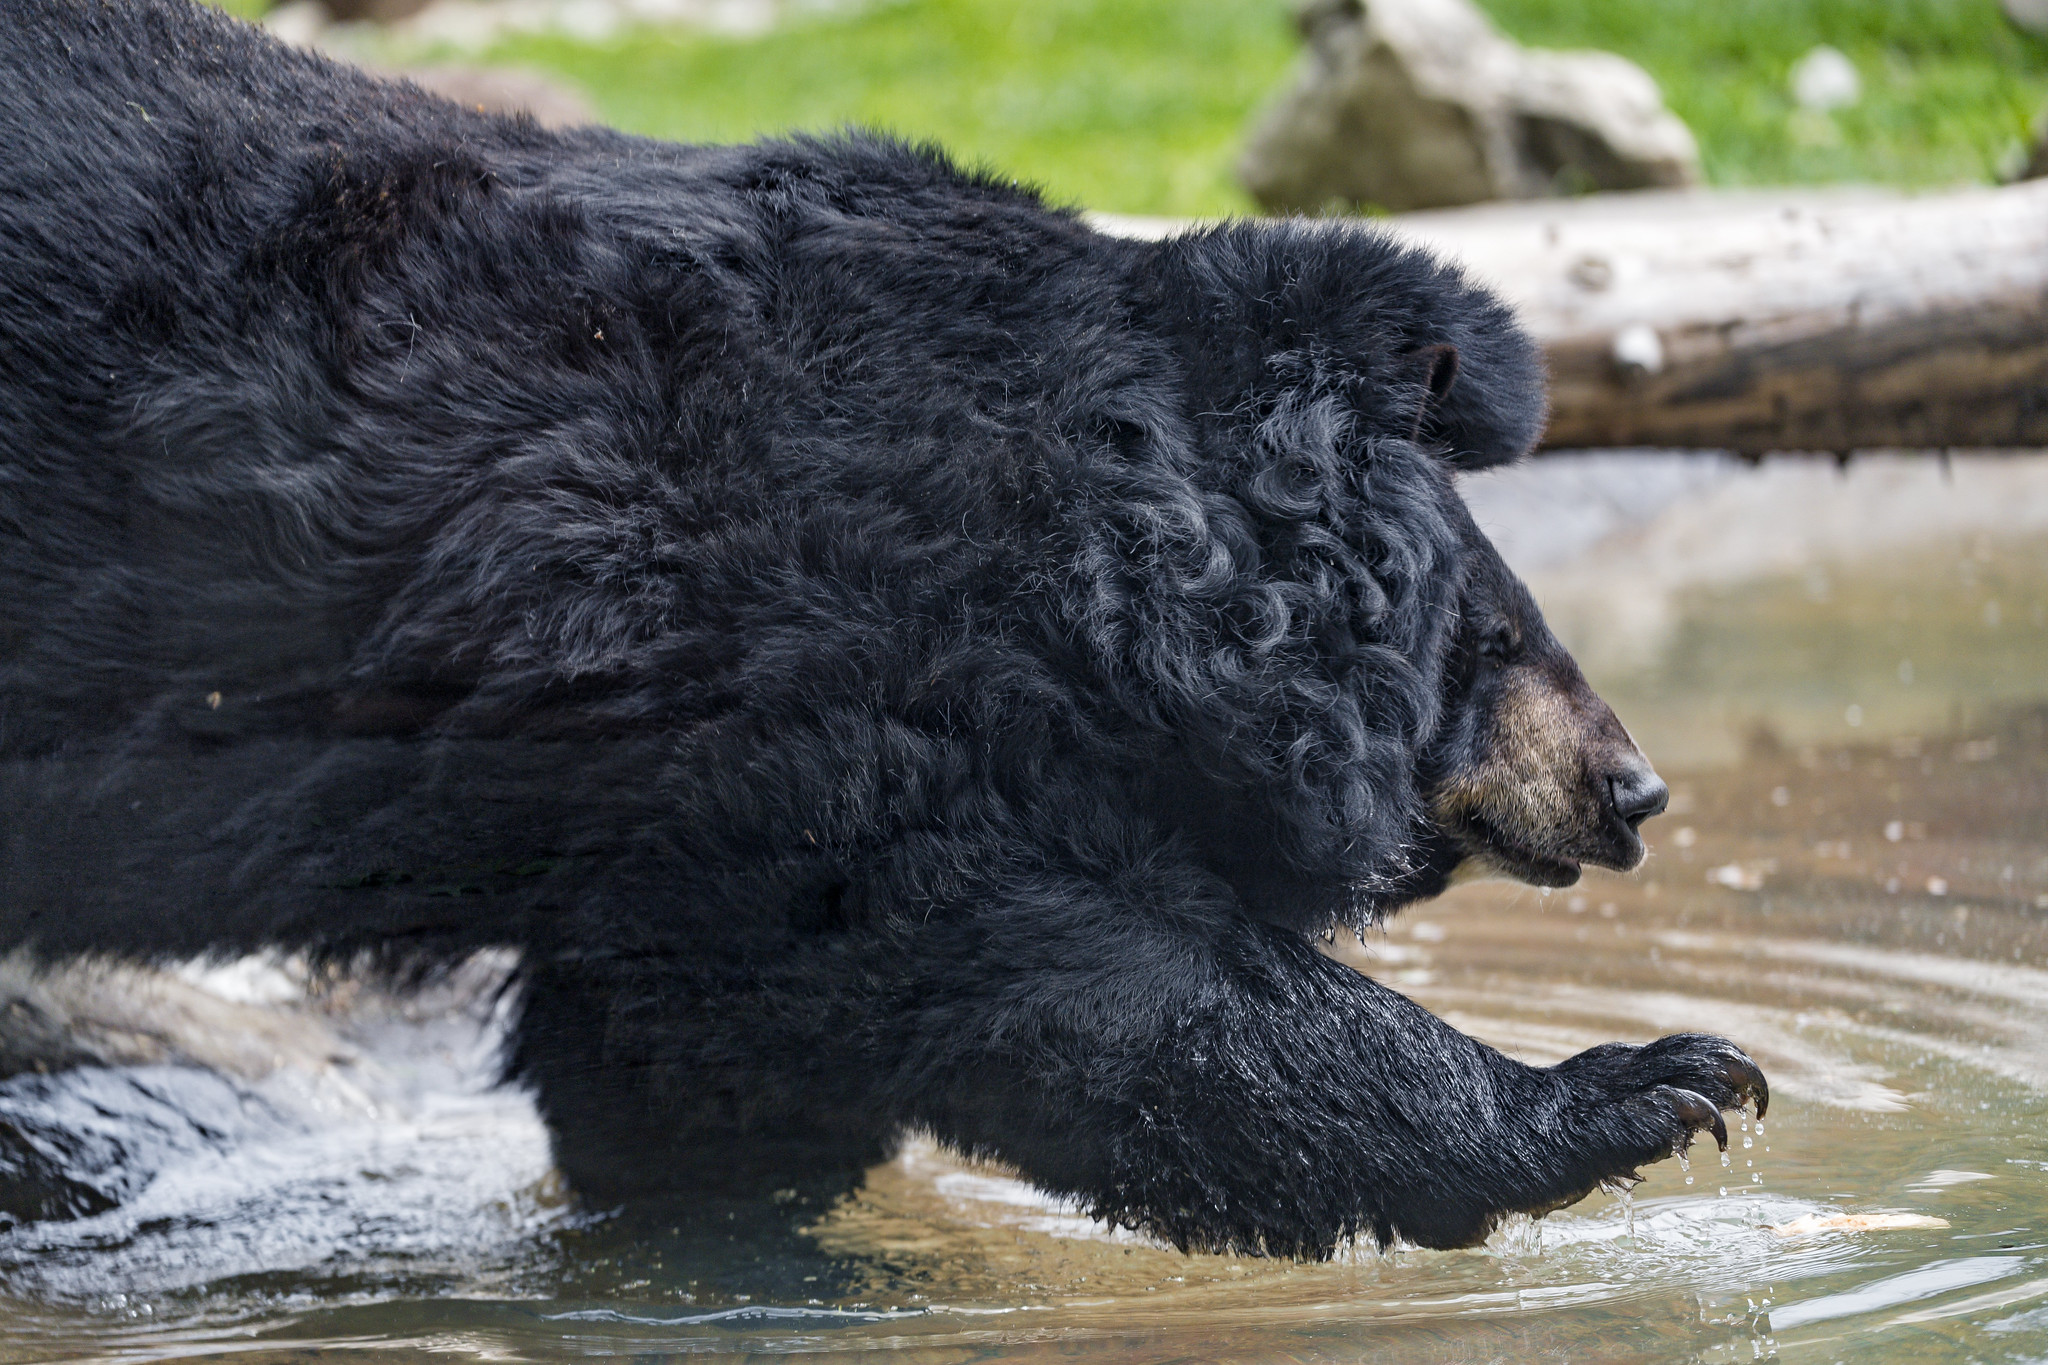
[{"x": 1852, "y": 881}]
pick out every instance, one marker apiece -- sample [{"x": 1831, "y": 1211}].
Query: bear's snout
[
  {"x": 1624, "y": 782},
  {"x": 1556, "y": 783},
  {"x": 1636, "y": 793}
]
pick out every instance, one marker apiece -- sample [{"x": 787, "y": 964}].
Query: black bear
[{"x": 888, "y": 655}]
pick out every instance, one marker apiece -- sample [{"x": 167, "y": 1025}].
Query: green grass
[
  {"x": 1136, "y": 105},
  {"x": 1139, "y": 106},
  {"x": 1950, "y": 89}
]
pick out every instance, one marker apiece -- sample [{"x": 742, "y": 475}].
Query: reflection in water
[
  {"x": 1846, "y": 679},
  {"x": 1929, "y": 1281}
]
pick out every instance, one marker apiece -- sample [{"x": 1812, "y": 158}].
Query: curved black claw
[
  {"x": 1744, "y": 1078},
  {"x": 1629, "y": 1104},
  {"x": 1661, "y": 1095},
  {"x": 1713, "y": 1068},
  {"x": 1693, "y": 1111}
]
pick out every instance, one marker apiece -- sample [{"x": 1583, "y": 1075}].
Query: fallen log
[{"x": 1760, "y": 322}]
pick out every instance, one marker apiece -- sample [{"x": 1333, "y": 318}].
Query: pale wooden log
[{"x": 1807, "y": 320}]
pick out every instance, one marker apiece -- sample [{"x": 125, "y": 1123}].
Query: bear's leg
[
  {"x": 1220, "y": 1083},
  {"x": 633, "y": 1069},
  {"x": 1121, "y": 1031}
]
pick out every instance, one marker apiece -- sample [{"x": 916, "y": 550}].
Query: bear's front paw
[{"x": 1640, "y": 1104}]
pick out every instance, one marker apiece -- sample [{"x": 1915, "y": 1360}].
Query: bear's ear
[
  {"x": 1427, "y": 355},
  {"x": 1436, "y": 372},
  {"x": 1480, "y": 392},
  {"x": 1471, "y": 422}
]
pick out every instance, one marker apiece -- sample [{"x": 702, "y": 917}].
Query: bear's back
[{"x": 278, "y": 339}]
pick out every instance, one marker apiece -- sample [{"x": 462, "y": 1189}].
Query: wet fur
[{"x": 886, "y": 654}]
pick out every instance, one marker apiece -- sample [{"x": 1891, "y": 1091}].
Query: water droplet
[
  {"x": 1724, "y": 1160},
  {"x": 1688, "y": 1180},
  {"x": 1724, "y": 1191},
  {"x": 1749, "y": 1142}
]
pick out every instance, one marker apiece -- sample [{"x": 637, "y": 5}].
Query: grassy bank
[
  {"x": 1950, "y": 89},
  {"x": 1140, "y": 105},
  {"x": 1135, "y": 105}
]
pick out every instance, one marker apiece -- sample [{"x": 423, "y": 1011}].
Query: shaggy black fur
[{"x": 888, "y": 654}]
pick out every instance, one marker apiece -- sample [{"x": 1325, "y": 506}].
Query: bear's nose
[{"x": 1637, "y": 793}]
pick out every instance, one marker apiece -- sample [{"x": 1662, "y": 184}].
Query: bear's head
[
  {"x": 1378, "y": 692},
  {"x": 1530, "y": 774}
]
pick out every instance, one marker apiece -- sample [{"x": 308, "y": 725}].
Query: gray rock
[
  {"x": 2030, "y": 15},
  {"x": 1410, "y": 104}
]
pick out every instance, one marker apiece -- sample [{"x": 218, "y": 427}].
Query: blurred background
[{"x": 1145, "y": 106}]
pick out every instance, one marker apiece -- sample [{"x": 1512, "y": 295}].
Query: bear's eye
[{"x": 1497, "y": 646}]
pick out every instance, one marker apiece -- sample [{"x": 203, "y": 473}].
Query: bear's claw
[
  {"x": 1671, "y": 1090},
  {"x": 1695, "y": 1111},
  {"x": 1742, "y": 1076}
]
